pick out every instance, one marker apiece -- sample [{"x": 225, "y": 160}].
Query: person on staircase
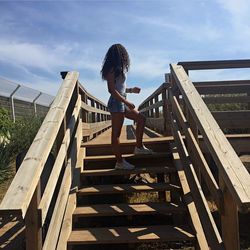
[{"x": 114, "y": 69}]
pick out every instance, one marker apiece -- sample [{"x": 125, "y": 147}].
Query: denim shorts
[{"x": 116, "y": 106}]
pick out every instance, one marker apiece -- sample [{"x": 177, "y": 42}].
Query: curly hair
[{"x": 116, "y": 59}]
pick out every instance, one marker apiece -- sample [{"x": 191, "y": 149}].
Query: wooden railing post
[
  {"x": 229, "y": 219},
  {"x": 166, "y": 111},
  {"x": 33, "y": 229},
  {"x": 157, "y": 113},
  {"x": 93, "y": 114},
  {"x": 151, "y": 114}
]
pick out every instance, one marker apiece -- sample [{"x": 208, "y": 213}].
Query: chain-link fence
[{"x": 22, "y": 101}]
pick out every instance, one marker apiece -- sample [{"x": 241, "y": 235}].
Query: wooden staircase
[
  {"x": 108, "y": 214},
  {"x": 80, "y": 202}
]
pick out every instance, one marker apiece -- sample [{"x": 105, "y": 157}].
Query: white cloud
[
  {"x": 187, "y": 30},
  {"x": 48, "y": 58},
  {"x": 149, "y": 65},
  {"x": 239, "y": 19},
  {"x": 29, "y": 55}
]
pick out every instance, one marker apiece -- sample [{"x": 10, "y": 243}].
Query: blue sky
[{"x": 38, "y": 39}]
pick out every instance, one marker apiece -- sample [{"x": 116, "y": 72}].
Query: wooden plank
[
  {"x": 51, "y": 184},
  {"x": 104, "y": 139},
  {"x": 233, "y": 171},
  {"x": 156, "y": 124},
  {"x": 33, "y": 228},
  {"x": 130, "y": 156},
  {"x": 86, "y": 93},
  {"x": 89, "y": 129},
  {"x": 222, "y": 83},
  {"x": 226, "y": 99},
  {"x": 229, "y": 220},
  {"x": 128, "y": 209},
  {"x": 25, "y": 181},
  {"x": 139, "y": 170},
  {"x": 67, "y": 223},
  {"x": 223, "y": 89},
  {"x": 153, "y": 106},
  {"x": 211, "y": 232},
  {"x": 58, "y": 212},
  {"x": 61, "y": 202},
  {"x": 158, "y": 91},
  {"x": 12, "y": 234},
  {"x": 219, "y": 64},
  {"x": 93, "y": 109},
  {"x": 126, "y": 188},
  {"x": 232, "y": 119},
  {"x": 197, "y": 157},
  {"x": 187, "y": 195},
  {"x": 118, "y": 235},
  {"x": 80, "y": 155}
]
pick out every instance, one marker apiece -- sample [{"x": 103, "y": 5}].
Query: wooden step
[
  {"x": 108, "y": 161},
  {"x": 128, "y": 209},
  {"x": 119, "y": 235},
  {"x": 105, "y": 172},
  {"x": 126, "y": 188},
  {"x": 128, "y": 156}
]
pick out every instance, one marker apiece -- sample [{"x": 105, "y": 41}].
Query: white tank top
[{"x": 120, "y": 84}]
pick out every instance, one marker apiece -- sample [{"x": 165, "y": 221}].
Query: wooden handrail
[
  {"x": 62, "y": 130},
  {"x": 222, "y": 64},
  {"x": 158, "y": 91},
  {"x": 26, "y": 180},
  {"x": 159, "y": 121},
  {"x": 231, "y": 168}
]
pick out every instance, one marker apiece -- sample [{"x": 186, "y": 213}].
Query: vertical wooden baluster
[{"x": 229, "y": 220}]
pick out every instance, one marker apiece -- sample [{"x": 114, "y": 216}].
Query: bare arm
[{"x": 111, "y": 88}]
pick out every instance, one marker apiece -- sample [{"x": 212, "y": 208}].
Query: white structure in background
[{"x": 12, "y": 91}]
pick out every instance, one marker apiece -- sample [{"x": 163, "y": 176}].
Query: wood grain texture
[{"x": 233, "y": 171}]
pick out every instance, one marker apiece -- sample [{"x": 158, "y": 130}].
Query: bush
[{"x": 15, "y": 138}]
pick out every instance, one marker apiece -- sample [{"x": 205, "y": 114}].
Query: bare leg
[
  {"x": 117, "y": 121},
  {"x": 140, "y": 124}
]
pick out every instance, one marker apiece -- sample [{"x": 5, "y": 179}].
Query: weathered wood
[
  {"x": 223, "y": 87},
  {"x": 232, "y": 119},
  {"x": 219, "y": 64},
  {"x": 93, "y": 109},
  {"x": 156, "y": 124},
  {"x": 58, "y": 212},
  {"x": 82, "y": 91},
  {"x": 12, "y": 234},
  {"x": 226, "y": 99},
  {"x": 50, "y": 187},
  {"x": 130, "y": 235},
  {"x": 197, "y": 156},
  {"x": 233, "y": 171},
  {"x": 67, "y": 223},
  {"x": 158, "y": 91},
  {"x": 25, "y": 181},
  {"x": 152, "y": 106},
  {"x": 127, "y": 188},
  {"x": 33, "y": 229},
  {"x": 139, "y": 170},
  {"x": 212, "y": 234},
  {"x": 201, "y": 238},
  {"x": 229, "y": 220},
  {"x": 89, "y": 129},
  {"x": 122, "y": 209},
  {"x": 142, "y": 156},
  {"x": 77, "y": 155}
]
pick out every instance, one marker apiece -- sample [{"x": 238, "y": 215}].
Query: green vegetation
[{"x": 14, "y": 138}]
